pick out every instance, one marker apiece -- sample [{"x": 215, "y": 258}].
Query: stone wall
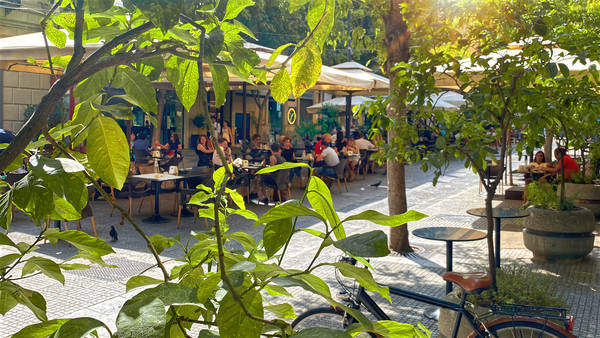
[{"x": 19, "y": 90}]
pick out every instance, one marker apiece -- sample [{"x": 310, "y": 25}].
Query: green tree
[{"x": 213, "y": 286}]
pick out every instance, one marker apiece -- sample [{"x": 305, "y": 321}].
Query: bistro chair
[
  {"x": 190, "y": 190},
  {"x": 277, "y": 182},
  {"x": 491, "y": 172},
  {"x": 340, "y": 174}
]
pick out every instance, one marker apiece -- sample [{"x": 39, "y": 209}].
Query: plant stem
[
  {"x": 114, "y": 204},
  {"x": 37, "y": 240}
]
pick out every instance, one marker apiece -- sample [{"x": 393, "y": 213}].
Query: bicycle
[{"x": 514, "y": 320}]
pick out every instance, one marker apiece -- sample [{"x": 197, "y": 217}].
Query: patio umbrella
[{"x": 381, "y": 85}]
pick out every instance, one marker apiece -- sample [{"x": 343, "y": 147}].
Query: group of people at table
[{"x": 542, "y": 171}]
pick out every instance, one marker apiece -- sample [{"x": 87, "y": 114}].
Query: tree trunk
[
  {"x": 396, "y": 43},
  {"x": 547, "y": 147},
  {"x": 162, "y": 100}
]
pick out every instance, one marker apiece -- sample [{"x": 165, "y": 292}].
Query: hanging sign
[{"x": 291, "y": 116}]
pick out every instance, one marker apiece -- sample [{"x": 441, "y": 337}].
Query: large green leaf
[
  {"x": 161, "y": 242},
  {"x": 391, "y": 221},
  {"x": 297, "y": 4},
  {"x": 97, "y": 6},
  {"x": 8, "y": 259},
  {"x": 31, "y": 299},
  {"x": 368, "y": 244},
  {"x": 6, "y": 209},
  {"x": 163, "y": 13},
  {"x": 7, "y": 301},
  {"x": 318, "y": 332},
  {"x": 283, "y": 310},
  {"x": 234, "y": 7},
  {"x": 276, "y": 53},
  {"x": 306, "y": 68},
  {"x": 138, "y": 88},
  {"x": 245, "y": 239},
  {"x": 5, "y": 240},
  {"x": 287, "y": 210},
  {"x": 220, "y": 78},
  {"x": 142, "y": 317},
  {"x": 308, "y": 282},
  {"x": 213, "y": 45},
  {"x": 364, "y": 277},
  {"x": 319, "y": 197},
  {"x": 171, "y": 293},
  {"x": 137, "y": 281},
  {"x": 322, "y": 11},
  {"x": 108, "y": 151},
  {"x": 56, "y": 36},
  {"x": 82, "y": 241},
  {"x": 40, "y": 330},
  {"x": 284, "y": 165},
  {"x": 281, "y": 86},
  {"x": 232, "y": 320},
  {"x": 275, "y": 235},
  {"x": 187, "y": 83},
  {"x": 46, "y": 266},
  {"x": 32, "y": 197},
  {"x": 79, "y": 327},
  {"x": 389, "y": 328}
]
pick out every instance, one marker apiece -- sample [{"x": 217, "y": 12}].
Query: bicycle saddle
[{"x": 469, "y": 281}]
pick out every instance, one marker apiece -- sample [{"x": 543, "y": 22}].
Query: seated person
[
  {"x": 140, "y": 143},
  {"x": 351, "y": 149},
  {"x": 319, "y": 144},
  {"x": 173, "y": 146},
  {"x": 204, "y": 150},
  {"x": 328, "y": 158},
  {"x": 256, "y": 151},
  {"x": 536, "y": 167},
  {"x": 270, "y": 180},
  {"x": 570, "y": 166},
  {"x": 288, "y": 152},
  {"x": 362, "y": 143},
  {"x": 222, "y": 143}
]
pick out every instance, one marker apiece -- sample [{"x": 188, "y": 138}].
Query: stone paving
[{"x": 100, "y": 292}]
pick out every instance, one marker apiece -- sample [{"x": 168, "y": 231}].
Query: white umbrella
[
  {"x": 339, "y": 103},
  {"x": 451, "y": 97}
]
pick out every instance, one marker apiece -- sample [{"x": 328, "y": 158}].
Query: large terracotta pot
[
  {"x": 557, "y": 235},
  {"x": 584, "y": 195}
]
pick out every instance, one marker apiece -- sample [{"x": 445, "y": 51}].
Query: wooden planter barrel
[
  {"x": 584, "y": 195},
  {"x": 558, "y": 235}
]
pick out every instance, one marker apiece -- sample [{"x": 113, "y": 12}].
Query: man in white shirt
[
  {"x": 362, "y": 143},
  {"x": 328, "y": 158},
  {"x": 216, "y": 158}
]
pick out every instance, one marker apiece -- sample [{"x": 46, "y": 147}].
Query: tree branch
[
  {"x": 78, "y": 49},
  {"x": 43, "y": 25}
]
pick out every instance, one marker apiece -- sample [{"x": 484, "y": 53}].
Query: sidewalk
[{"x": 100, "y": 292}]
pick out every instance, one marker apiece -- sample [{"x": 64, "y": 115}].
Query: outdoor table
[
  {"x": 250, "y": 170},
  {"x": 498, "y": 214},
  {"x": 157, "y": 180},
  {"x": 449, "y": 235}
]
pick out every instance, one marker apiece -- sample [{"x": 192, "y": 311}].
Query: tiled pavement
[{"x": 99, "y": 292}]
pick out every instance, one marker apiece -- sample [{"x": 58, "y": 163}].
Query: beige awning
[{"x": 15, "y": 51}]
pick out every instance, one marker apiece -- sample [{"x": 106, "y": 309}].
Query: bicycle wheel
[
  {"x": 326, "y": 317},
  {"x": 508, "y": 328}
]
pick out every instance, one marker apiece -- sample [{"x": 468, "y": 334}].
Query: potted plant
[
  {"x": 556, "y": 229},
  {"x": 585, "y": 192},
  {"x": 516, "y": 285}
]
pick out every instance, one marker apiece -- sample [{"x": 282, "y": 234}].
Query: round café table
[
  {"x": 449, "y": 235},
  {"x": 498, "y": 214}
]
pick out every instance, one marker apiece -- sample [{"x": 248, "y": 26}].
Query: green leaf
[
  {"x": 213, "y": 45},
  {"x": 284, "y": 310},
  {"x": 245, "y": 239},
  {"x": 317, "y": 332},
  {"x": 287, "y": 210},
  {"x": 247, "y": 214},
  {"x": 232, "y": 320},
  {"x": 245, "y": 266},
  {"x": 32, "y": 197},
  {"x": 276, "y": 290},
  {"x": 284, "y": 165},
  {"x": 368, "y": 244},
  {"x": 234, "y": 7},
  {"x": 74, "y": 266},
  {"x": 552, "y": 69},
  {"x": 308, "y": 282},
  {"x": 83, "y": 242},
  {"x": 564, "y": 70},
  {"x": 319, "y": 197},
  {"x": 297, "y": 4},
  {"x": 187, "y": 84},
  {"x": 137, "y": 281},
  {"x": 389, "y": 328},
  {"x": 281, "y": 87},
  {"x": 5, "y": 240},
  {"x": 31, "y": 299},
  {"x": 55, "y": 35},
  {"x": 276, "y": 53},
  {"x": 138, "y": 88},
  {"x": 364, "y": 277},
  {"x": 8, "y": 259},
  {"x": 391, "y": 221},
  {"x": 78, "y": 327},
  {"x": 7, "y": 302},
  {"x": 276, "y": 234},
  {"x": 161, "y": 242},
  {"x": 320, "y": 11},
  {"x": 40, "y": 330},
  {"x": 163, "y": 13},
  {"x": 142, "y": 317},
  {"x": 220, "y": 78},
  {"x": 306, "y": 68},
  {"x": 108, "y": 151},
  {"x": 98, "y": 6},
  {"x": 48, "y": 268}
]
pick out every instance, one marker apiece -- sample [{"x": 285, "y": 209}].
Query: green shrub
[
  {"x": 544, "y": 196},
  {"x": 520, "y": 285}
]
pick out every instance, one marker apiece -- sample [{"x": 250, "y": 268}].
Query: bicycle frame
[{"x": 362, "y": 298}]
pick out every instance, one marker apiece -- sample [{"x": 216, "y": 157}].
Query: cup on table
[{"x": 245, "y": 163}]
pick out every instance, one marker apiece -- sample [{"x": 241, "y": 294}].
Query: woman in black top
[{"x": 204, "y": 150}]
